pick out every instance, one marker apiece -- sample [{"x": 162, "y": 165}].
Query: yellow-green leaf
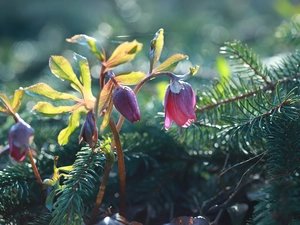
[
  {"x": 47, "y": 91},
  {"x": 194, "y": 70},
  {"x": 49, "y": 109},
  {"x": 161, "y": 89},
  {"x": 107, "y": 115},
  {"x": 4, "y": 110},
  {"x": 224, "y": 70},
  {"x": 171, "y": 63},
  {"x": 5, "y": 100},
  {"x": 65, "y": 169},
  {"x": 130, "y": 78},
  {"x": 74, "y": 122},
  {"x": 104, "y": 97},
  {"x": 16, "y": 102},
  {"x": 156, "y": 46},
  {"x": 61, "y": 68},
  {"x": 125, "y": 52},
  {"x": 85, "y": 75},
  {"x": 91, "y": 43}
]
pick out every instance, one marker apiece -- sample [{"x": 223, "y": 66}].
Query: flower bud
[
  {"x": 89, "y": 130},
  {"x": 179, "y": 107},
  {"x": 125, "y": 102},
  {"x": 20, "y": 136}
]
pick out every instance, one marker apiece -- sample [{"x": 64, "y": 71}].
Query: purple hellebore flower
[
  {"x": 20, "y": 136},
  {"x": 89, "y": 130},
  {"x": 179, "y": 107},
  {"x": 125, "y": 102}
]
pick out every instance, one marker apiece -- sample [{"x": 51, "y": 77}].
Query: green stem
[{"x": 121, "y": 166}]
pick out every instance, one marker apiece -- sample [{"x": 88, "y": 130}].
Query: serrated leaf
[
  {"x": 49, "y": 109},
  {"x": 91, "y": 43},
  {"x": 74, "y": 122},
  {"x": 85, "y": 76},
  {"x": 130, "y": 78},
  {"x": 61, "y": 68},
  {"x": 171, "y": 63},
  {"x": 156, "y": 46},
  {"x": 107, "y": 114},
  {"x": 16, "y": 102},
  {"x": 104, "y": 97},
  {"x": 47, "y": 91},
  {"x": 125, "y": 52}
]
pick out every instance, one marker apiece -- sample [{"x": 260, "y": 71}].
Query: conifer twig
[{"x": 270, "y": 86}]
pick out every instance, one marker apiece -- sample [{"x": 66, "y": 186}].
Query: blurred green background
[{"x": 31, "y": 31}]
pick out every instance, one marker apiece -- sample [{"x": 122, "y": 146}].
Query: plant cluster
[{"x": 237, "y": 160}]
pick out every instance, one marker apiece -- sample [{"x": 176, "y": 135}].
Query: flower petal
[
  {"x": 174, "y": 111},
  {"x": 125, "y": 102},
  {"x": 19, "y": 137},
  {"x": 186, "y": 101},
  {"x": 179, "y": 107},
  {"x": 89, "y": 130}
]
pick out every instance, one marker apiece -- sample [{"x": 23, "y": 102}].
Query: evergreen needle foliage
[
  {"x": 78, "y": 187},
  {"x": 238, "y": 162}
]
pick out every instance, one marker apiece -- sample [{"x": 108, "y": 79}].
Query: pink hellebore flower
[
  {"x": 89, "y": 130},
  {"x": 179, "y": 107},
  {"x": 125, "y": 102},
  {"x": 20, "y": 136}
]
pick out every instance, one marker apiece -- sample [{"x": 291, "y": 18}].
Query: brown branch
[
  {"x": 100, "y": 195},
  {"x": 230, "y": 199},
  {"x": 121, "y": 166},
  {"x": 270, "y": 86},
  {"x": 252, "y": 67},
  {"x": 35, "y": 170}
]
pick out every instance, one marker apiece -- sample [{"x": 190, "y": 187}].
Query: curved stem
[
  {"x": 139, "y": 86},
  {"x": 121, "y": 166},
  {"x": 100, "y": 194},
  {"x": 102, "y": 76}
]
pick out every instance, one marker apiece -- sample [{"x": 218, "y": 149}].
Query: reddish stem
[
  {"x": 121, "y": 166},
  {"x": 100, "y": 195},
  {"x": 35, "y": 170}
]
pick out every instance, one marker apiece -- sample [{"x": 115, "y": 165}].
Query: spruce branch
[
  {"x": 289, "y": 32},
  {"x": 109, "y": 163},
  {"x": 279, "y": 201},
  {"x": 245, "y": 61},
  {"x": 270, "y": 87},
  {"x": 78, "y": 184}
]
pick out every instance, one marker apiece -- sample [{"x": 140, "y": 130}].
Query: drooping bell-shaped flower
[
  {"x": 20, "y": 137},
  {"x": 180, "y": 101},
  {"x": 125, "y": 102},
  {"x": 89, "y": 130}
]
